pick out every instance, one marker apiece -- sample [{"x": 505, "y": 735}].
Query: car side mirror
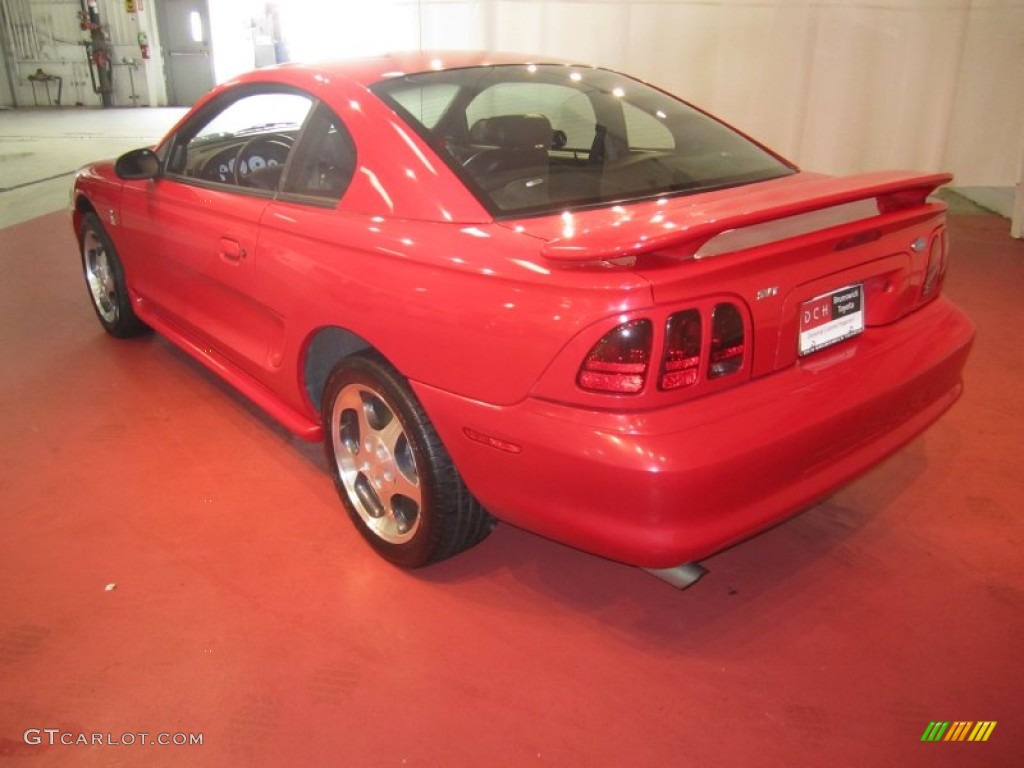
[{"x": 137, "y": 164}]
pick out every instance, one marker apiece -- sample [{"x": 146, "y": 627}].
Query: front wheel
[
  {"x": 393, "y": 474},
  {"x": 104, "y": 277}
]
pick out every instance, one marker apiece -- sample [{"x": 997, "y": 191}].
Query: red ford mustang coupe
[{"x": 538, "y": 292}]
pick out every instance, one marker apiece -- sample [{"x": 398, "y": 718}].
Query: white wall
[
  {"x": 987, "y": 119},
  {"x": 231, "y": 33},
  {"x": 50, "y": 39},
  {"x": 318, "y": 29},
  {"x": 837, "y": 85}
]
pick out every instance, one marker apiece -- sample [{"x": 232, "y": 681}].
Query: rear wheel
[
  {"x": 394, "y": 476},
  {"x": 104, "y": 277}
]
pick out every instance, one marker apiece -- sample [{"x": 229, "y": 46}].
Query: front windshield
[{"x": 541, "y": 138}]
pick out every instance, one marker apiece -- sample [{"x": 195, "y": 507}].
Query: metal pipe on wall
[
  {"x": 7, "y": 57},
  {"x": 26, "y": 29},
  {"x": 99, "y": 53},
  {"x": 12, "y": 35},
  {"x": 12, "y": 30},
  {"x": 23, "y": 34},
  {"x": 33, "y": 33}
]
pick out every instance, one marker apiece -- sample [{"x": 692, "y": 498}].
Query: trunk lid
[{"x": 774, "y": 247}]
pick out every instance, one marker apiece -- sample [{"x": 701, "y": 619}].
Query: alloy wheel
[
  {"x": 100, "y": 277},
  {"x": 376, "y": 463}
]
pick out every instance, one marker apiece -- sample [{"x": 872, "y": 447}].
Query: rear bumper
[{"x": 673, "y": 485}]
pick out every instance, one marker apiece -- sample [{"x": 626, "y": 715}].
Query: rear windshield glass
[{"x": 541, "y": 138}]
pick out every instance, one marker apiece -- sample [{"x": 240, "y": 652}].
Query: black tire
[
  {"x": 104, "y": 279},
  {"x": 394, "y": 476}
]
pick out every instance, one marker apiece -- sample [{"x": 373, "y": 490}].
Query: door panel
[
  {"x": 194, "y": 255},
  {"x": 210, "y": 237},
  {"x": 196, "y": 228}
]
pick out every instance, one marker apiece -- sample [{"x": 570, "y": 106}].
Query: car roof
[{"x": 367, "y": 71}]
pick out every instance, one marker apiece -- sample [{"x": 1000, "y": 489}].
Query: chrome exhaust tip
[{"x": 681, "y": 576}]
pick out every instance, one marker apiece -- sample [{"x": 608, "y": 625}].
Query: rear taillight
[
  {"x": 698, "y": 350},
  {"x": 680, "y": 364},
  {"x": 618, "y": 362},
  {"x": 937, "y": 261},
  {"x": 727, "y": 341}
]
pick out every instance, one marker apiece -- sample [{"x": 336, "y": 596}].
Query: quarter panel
[{"x": 468, "y": 309}]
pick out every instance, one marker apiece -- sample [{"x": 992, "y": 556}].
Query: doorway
[{"x": 187, "y": 48}]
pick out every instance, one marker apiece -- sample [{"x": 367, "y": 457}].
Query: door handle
[{"x": 231, "y": 250}]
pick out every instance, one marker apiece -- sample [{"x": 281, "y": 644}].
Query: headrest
[{"x": 512, "y": 131}]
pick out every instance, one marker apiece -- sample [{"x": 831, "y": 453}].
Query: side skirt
[{"x": 299, "y": 424}]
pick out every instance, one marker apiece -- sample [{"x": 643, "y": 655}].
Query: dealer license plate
[{"x": 830, "y": 318}]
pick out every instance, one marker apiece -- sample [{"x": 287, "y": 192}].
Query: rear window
[
  {"x": 425, "y": 103},
  {"x": 542, "y": 138}
]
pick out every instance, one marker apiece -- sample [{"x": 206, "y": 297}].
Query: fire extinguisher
[
  {"x": 144, "y": 45},
  {"x": 101, "y": 58}
]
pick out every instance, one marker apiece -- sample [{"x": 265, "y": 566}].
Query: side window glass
[
  {"x": 246, "y": 144},
  {"x": 324, "y": 160},
  {"x": 644, "y": 131}
]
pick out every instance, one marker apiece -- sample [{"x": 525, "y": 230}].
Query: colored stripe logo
[{"x": 960, "y": 730}]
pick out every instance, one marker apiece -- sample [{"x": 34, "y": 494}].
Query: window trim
[
  {"x": 308, "y": 199},
  {"x": 208, "y": 112}
]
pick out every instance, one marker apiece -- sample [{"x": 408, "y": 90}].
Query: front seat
[{"x": 509, "y": 158}]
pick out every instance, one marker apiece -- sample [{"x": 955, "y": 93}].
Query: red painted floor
[{"x": 248, "y": 610}]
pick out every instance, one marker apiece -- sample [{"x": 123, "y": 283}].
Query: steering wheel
[{"x": 261, "y": 151}]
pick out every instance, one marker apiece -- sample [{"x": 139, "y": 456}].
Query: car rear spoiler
[{"x": 687, "y": 225}]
